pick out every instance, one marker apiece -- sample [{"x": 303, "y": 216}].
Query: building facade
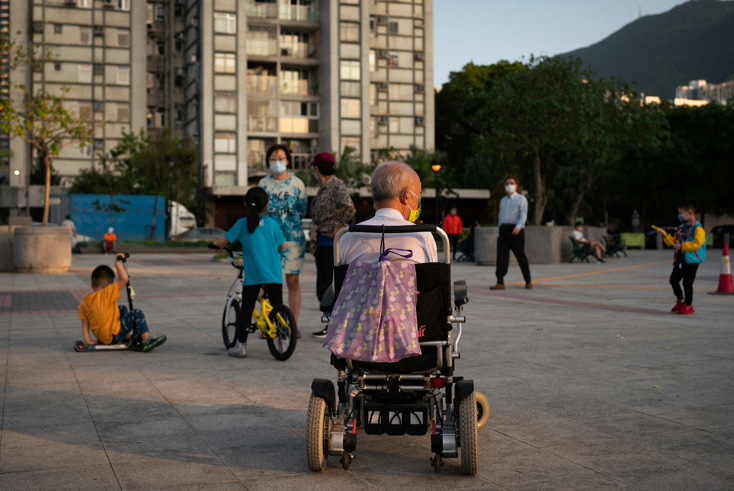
[
  {"x": 98, "y": 50},
  {"x": 315, "y": 75},
  {"x": 700, "y": 90}
]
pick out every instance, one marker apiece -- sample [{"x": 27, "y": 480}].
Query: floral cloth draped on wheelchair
[{"x": 374, "y": 317}]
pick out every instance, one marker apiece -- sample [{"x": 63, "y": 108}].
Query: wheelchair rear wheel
[
  {"x": 284, "y": 342},
  {"x": 468, "y": 434},
  {"x": 229, "y": 326},
  {"x": 318, "y": 422}
]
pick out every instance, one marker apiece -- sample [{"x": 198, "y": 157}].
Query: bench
[{"x": 581, "y": 251}]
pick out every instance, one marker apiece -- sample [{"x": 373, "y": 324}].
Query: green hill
[{"x": 657, "y": 53}]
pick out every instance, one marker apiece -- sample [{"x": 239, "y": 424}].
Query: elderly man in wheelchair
[{"x": 416, "y": 394}]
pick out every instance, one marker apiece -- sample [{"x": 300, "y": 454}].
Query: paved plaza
[{"x": 592, "y": 384}]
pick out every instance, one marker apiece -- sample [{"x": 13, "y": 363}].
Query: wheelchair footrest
[{"x": 396, "y": 419}]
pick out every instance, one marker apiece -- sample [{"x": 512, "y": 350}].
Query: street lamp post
[
  {"x": 437, "y": 167},
  {"x": 171, "y": 161}
]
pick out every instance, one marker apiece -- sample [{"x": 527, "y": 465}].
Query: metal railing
[
  {"x": 262, "y": 10},
  {"x": 262, "y": 83},
  {"x": 294, "y": 50},
  {"x": 299, "y": 12}
]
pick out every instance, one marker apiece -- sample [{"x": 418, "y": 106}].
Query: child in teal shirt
[{"x": 261, "y": 241}]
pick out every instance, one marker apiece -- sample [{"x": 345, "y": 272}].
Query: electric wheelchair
[{"x": 415, "y": 395}]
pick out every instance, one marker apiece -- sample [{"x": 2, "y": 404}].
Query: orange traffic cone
[{"x": 726, "y": 287}]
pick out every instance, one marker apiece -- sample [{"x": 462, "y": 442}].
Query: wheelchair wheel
[
  {"x": 318, "y": 427},
  {"x": 468, "y": 434},
  {"x": 284, "y": 342},
  {"x": 229, "y": 329},
  {"x": 482, "y": 410}
]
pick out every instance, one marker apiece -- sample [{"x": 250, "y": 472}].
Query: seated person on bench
[
  {"x": 594, "y": 245},
  {"x": 396, "y": 190},
  {"x": 110, "y": 323}
]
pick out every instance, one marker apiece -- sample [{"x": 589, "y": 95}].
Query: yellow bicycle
[{"x": 277, "y": 322}]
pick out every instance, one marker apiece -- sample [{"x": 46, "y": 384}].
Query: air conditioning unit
[
  {"x": 420, "y": 88},
  {"x": 420, "y": 120},
  {"x": 383, "y": 53},
  {"x": 38, "y": 27},
  {"x": 98, "y": 143},
  {"x": 383, "y": 120},
  {"x": 98, "y": 107},
  {"x": 110, "y": 4},
  {"x": 150, "y": 26},
  {"x": 99, "y": 30},
  {"x": 98, "y": 68},
  {"x": 383, "y": 86},
  {"x": 382, "y": 19},
  {"x": 419, "y": 56}
]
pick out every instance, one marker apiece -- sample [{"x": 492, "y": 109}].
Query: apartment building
[
  {"x": 4, "y": 92},
  {"x": 316, "y": 75},
  {"x": 700, "y": 90},
  {"x": 98, "y": 49}
]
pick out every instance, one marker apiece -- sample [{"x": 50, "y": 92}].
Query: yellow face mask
[{"x": 414, "y": 214}]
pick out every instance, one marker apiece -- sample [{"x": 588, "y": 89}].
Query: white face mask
[
  {"x": 510, "y": 188},
  {"x": 453, "y": 212},
  {"x": 278, "y": 166}
]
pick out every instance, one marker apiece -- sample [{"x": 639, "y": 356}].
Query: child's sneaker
[
  {"x": 686, "y": 309},
  {"x": 153, "y": 342},
  {"x": 678, "y": 305},
  {"x": 238, "y": 350}
]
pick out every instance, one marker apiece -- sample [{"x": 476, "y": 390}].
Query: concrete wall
[
  {"x": 42, "y": 250},
  {"x": 543, "y": 245}
]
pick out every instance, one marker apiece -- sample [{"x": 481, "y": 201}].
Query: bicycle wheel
[
  {"x": 229, "y": 329},
  {"x": 284, "y": 342}
]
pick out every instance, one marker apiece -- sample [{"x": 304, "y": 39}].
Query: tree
[
  {"x": 40, "y": 119},
  {"x": 38, "y": 173},
  {"x": 525, "y": 116},
  {"x": 455, "y": 126}
]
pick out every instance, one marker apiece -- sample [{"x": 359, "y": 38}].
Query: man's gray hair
[{"x": 390, "y": 179}]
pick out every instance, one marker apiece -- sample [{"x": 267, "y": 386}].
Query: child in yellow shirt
[{"x": 110, "y": 323}]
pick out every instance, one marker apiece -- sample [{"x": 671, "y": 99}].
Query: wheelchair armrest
[
  {"x": 460, "y": 293},
  {"x": 327, "y": 302}
]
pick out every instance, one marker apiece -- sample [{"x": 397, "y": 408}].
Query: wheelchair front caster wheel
[
  {"x": 437, "y": 462},
  {"x": 346, "y": 460}
]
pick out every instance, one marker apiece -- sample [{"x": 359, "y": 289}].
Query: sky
[{"x": 487, "y": 31}]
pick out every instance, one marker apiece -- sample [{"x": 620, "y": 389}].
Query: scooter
[{"x": 135, "y": 342}]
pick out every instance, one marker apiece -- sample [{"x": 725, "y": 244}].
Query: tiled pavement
[{"x": 592, "y": 385}]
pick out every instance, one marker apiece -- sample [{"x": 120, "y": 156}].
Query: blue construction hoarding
[{"x": 131, "y": 219}]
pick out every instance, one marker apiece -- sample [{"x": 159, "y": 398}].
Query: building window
[
  {"x": 85, "y": 111},
  {"x": 392, "y": 59},
  {"x": 225, "y": 102},
  {"x": 160, "y": 13},
  {"x": 123, "y": 75},
  {"x": 84, "y": 4},
  {"x": 57, "y": 67},
  {"x": 351, "y": 2},
  {"x": 122, "y": 113},
  {"x": 372, "y": 24},
  {"x": 123, "y": 38},
  {"x": 354, "y": 142},
  {"x": 373, "y": 94},
  {"x": 373, "y": 60},
  {"x": 225, "y": 23},
  {"x": 123, "y": 4},
  {"x": 224, "y": 179},
  {"x": 161, "y": 48},
  {"x": 85, "y": 36},
  {"x": 350, "y": 70},
  {"x": 58, "y": 28},
  {"x": 85, "y": 152},
  {"x": 351, "y": 89},
  {"x": 350, "y": 108},
  {"x": 225, "y": 63},
  {"x": 149, "y": 14},
  {"x": 225, "y": 142},
  {"x": 349, "y": 31},
  {"x": 392, "y": 27},
  {"x": 299, "y": 117},
  {"x": 85, "y": 73}
]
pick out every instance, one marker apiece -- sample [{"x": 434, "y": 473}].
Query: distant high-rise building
[{"x": 700, "y": 90}]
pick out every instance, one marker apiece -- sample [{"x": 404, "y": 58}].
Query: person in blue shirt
[
  {"x": 511, "y": 234},
  {"x": 261, "y": 241}
]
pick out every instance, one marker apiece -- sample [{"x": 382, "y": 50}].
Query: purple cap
[{"x": 323, "y": 160}]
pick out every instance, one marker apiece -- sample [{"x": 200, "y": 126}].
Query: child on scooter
[
  {"x": 110, "y": 323},
  {"x": 261, "y": 239}
]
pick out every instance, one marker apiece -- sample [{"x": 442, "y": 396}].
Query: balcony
[
  {"x": 263, "y": 84},
  {"x": 262, "y": 10},
  {"x": 299, "y": 13},
  {"x": 262, "y": 123},
  {"x": 156, "y": 63},
  {"x": 295, "y": 50},
  {"x": 294, "y": 87},
  {"x": 261, "y": 47}
]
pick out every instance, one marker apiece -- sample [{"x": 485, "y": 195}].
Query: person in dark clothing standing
[{"x": 511, "y": 234}]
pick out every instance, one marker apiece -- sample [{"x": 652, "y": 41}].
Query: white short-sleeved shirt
[
  {"x": 366, "y": 247},
  {"x": 577, "y": 236}
]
